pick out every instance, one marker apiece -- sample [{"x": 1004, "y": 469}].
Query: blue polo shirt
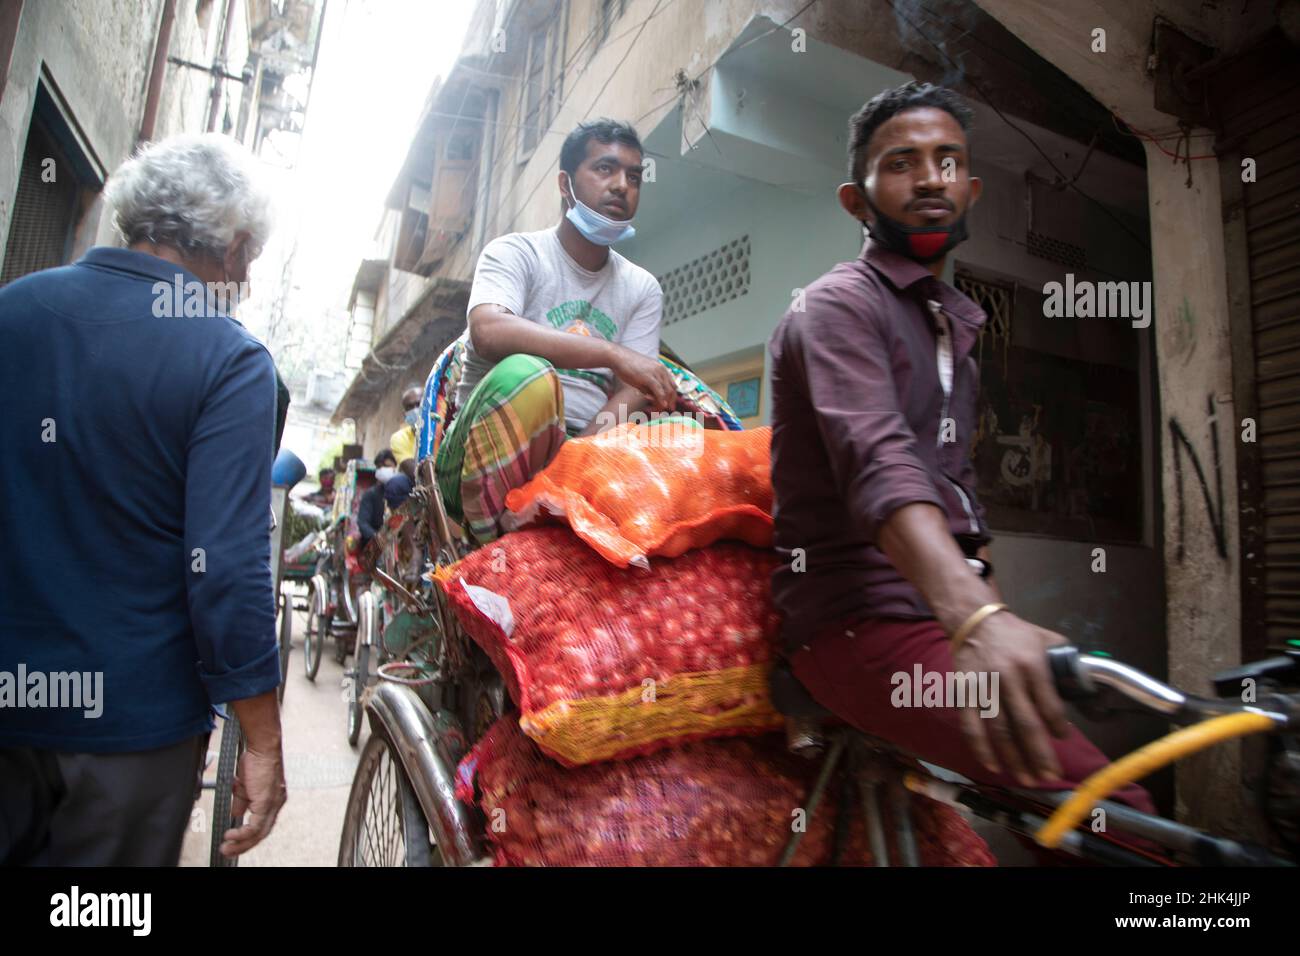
[{"x": 135, "y": 494}]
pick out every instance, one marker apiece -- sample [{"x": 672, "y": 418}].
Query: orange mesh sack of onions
[
  {"x": 608, "y": 662},
  {"x": 732, "y": 802},
  {"x": 642, "y": 490}
]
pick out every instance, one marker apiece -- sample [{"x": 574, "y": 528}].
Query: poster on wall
[{"x": 1058, "y": 447}]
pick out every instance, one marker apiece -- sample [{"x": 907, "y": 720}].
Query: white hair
[{"x": 193, "y": 192}]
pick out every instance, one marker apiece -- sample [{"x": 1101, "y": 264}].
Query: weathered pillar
[{"x": 1198, "y": 425}]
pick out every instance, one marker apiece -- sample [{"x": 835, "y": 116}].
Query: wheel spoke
[
  {"x": 382, "y": 831},
  {"x": 369, "y": 821},
  {"x": 376, "y": 825},
  {"x": 390, "y": 854}
]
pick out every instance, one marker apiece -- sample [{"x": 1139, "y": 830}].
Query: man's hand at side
[{"x": 259, "y": 787}]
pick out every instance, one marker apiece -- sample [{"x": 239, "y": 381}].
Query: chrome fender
[
  {"x": 399, "y": 714},
  {"x": 367, "y": 619},
  {"x": 320, "y": 594}
]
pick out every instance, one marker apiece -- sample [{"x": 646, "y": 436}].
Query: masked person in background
[
  {"x": 396, "y": 490},
  {"x": 403, "y": 440},
  {"x": 560, "y": 329},
  {"x": 370, "y": 513},
  {"x": 323, "y": 497},
  {"x": 874, "y": 394}
]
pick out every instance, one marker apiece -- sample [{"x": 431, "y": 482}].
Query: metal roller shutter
[
  {"x": 44, "y": 212},
  {"x": 1260, "y": 97}
]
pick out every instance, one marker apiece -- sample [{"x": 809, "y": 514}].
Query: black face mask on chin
[{"x": 924, "y": 244}]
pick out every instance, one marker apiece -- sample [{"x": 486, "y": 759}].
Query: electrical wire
[
  {"x": 1181, "y": 136},
  {"x": 1032, "y": 73},
  {"x": 696, "y": 78},
  {"x": 1086, "y": 156}
]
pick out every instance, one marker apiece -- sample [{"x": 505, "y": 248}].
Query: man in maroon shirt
[{"x": 873, "y": 410}]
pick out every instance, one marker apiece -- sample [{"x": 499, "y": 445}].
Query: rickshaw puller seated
[
  {"x": 874, "y": 410},
  {"x": 560, "y": 329}
]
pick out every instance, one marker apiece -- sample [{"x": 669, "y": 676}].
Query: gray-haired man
[{"x": 139, "y": 429}]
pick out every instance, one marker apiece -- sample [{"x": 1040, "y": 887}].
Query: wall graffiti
[{"x": 1214, "y": 509}]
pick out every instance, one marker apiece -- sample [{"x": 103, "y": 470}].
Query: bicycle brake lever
[{"x": 1280, "y": 670}]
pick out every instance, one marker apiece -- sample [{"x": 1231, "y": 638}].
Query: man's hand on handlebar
[
  {"x": 916, "y": 539},
  {"x": 1016, "y": 739}
]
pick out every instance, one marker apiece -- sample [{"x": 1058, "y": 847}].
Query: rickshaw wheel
[
  {"x": 313, "y": 641},
  {"x": 361, "y": 663},
  {"x": 383, "y": 824},
  {"x": 286, "y": 640},
  {"x": 232, "y": 745}
]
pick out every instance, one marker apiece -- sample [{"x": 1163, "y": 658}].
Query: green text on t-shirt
[{"x": 580, "y": 310}]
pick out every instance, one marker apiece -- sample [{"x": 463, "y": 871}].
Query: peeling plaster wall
[{"x": 99, "y": 53}]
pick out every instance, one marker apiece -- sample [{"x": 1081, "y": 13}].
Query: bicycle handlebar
[{"x": 1080, "y": 676}]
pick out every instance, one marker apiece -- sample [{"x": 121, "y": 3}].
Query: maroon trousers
[{"x": 849, "y": 669}]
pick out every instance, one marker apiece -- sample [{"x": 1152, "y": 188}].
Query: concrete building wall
[
  {"x": 1191, "y": 340},
  {"x": 376, "y": 428},
  {"x": 527, "y": 197},
  {"x": 186, "y": 91},
  {"x": 97, "y": 53}
]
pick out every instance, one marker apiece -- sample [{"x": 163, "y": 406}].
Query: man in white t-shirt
[{"x": 560, "y": 329}]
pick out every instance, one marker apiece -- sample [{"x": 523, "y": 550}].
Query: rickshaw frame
[{"x": 424, "y": 727}]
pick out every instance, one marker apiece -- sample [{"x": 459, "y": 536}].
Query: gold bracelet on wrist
[{"x": 977, "y": 617}]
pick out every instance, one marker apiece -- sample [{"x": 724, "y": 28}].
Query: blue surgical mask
[
  {"x": 413, "y": 418},
  {"x": 594, "y": 227}
]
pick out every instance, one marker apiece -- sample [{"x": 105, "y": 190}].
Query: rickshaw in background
[
  {"x": 339, "y": 578},
  {"x": 305, "y": 525},
  {"x": 429, "y": 691},
  {"x": 397, "y": 624}
]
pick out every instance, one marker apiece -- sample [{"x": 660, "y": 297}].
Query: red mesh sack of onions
[
  {"x": 606, "y": 662},
  {"x": 725, "y": 802}
]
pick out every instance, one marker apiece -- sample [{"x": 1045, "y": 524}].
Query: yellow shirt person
[{"x": 402, "y": 441}]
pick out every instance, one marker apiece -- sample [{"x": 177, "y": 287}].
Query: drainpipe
[
  {"x": 228, "y": 24},
  {"x": 252, "y": 89},
  {"x": 157, "y": 71}
]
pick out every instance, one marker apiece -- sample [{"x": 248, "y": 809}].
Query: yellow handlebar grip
[{"x": 1138, "y": 764}]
